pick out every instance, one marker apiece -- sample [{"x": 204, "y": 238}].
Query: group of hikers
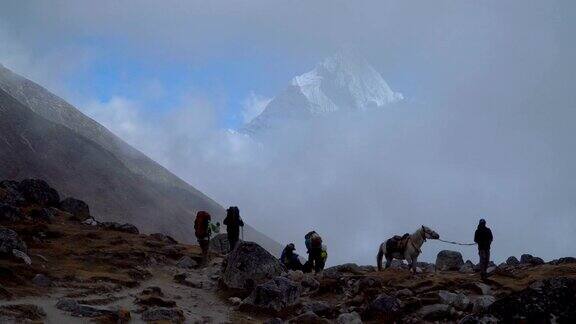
[
  {"x": 317, "y": 251},
  {"x": 204, "y": 228}
]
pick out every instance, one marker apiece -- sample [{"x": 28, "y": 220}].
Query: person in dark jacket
[
  {"x": 483, "y": 237},
  {"x": 233, "y": 222},
  {"x": 290, "y": 259}
]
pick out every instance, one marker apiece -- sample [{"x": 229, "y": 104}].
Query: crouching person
[{"x": 290, "y": 259}]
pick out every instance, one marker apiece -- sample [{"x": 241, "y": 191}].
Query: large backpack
[
  {"x": 313, "y": 240},
  {"x": 201, "y": 224}
]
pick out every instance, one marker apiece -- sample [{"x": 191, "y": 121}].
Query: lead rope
[{"x": 456, "y": 243}]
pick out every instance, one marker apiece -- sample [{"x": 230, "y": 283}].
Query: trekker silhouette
[
  {"x": 202, "y": 232},
  {"x": 290, "y": 259},
  {"x": 313, "y": 243},
  {"x": 233, "y": 222},
  {"x": 483, "y": 237}
]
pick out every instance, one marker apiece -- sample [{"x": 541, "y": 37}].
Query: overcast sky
[{"x": 487, "y": 129}]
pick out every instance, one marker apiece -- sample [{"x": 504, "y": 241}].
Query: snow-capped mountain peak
[{"x": 342, "y": 82}]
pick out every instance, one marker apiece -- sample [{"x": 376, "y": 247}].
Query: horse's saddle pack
[{"x": 397, "y": 244}]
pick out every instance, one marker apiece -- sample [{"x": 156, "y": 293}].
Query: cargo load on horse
[{"x": 406, "y": 247}]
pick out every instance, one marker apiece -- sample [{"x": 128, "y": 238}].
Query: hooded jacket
[{"x": 483, "y": 237}]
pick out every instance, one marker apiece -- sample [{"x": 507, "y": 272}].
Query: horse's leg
[
  {"x": 388, "y": 262},
  {"x": 413, "y": 264}
]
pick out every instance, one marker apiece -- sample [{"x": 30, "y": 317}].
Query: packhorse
[{"x": 408, "y": 250}]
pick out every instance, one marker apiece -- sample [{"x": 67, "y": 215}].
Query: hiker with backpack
[
  {"x": 202, "y": 231},
  {"x": 290, "y": 259},
  {"x": 233, "y": 222},
  {"x": 313, "y": 243},
  {"x": 483, "y": 237}
]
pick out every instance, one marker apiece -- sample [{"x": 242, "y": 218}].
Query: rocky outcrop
[
  {"x": 542, "y": 302},
  {"x": 10, "y": 214},
  {"x": 274, "y": 295},
  {"x": 78, "y": 208},
  {"x": 219, "y": 244},
  {"x": 530, "y": 260},
  {"x": 249, "y": 265},
  {"x": 512, "y": 261},
  {"x": 384, "y": 309},
  {"x": 449, "y": 260}
]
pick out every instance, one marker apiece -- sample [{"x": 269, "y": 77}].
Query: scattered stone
[
  {"x": 78, "y": 208},
  {"x": 398, "y": 264},
  {"x": 68, "y": 305},
  {"x": 21, "y": 313},
  {"x": 10, "y": 214},
  {"x": 9, "y": 240},
  {"x": 91, "y": 221},
  {"x": 512, "y": 261},
  {"x": 249, "y": 265},
  {"x": 553, "y": 301},
  {"x": 275, "y": 295},
  {"x": 126, "y": 228},
  {"x": 163, "y": 314},
  {"x": 319, "y": 308},
  {"x": 309, "y": 318},
  {"x": 274, "y": 321},
  {"x": 478, "y": 319},
  {"x": 41, "y": 280},
  {"x": 483, "y": 302},
  {"x": 22, "y": 256},
  {"x": 181, "y": 278},
  {"x": 39, "y": 192},
  {"x": 41, "y": 215},
  {"x": 187, "y": 262},
  {"x": 403, "y": 293},
  {"x": 479, "y": 288},
  {"x": 458, "y": 300},
  {"x": 467, "y": 267},
  {"x": 426, "y": 267},
  {"x": 384, "y": 308},
  {"x": 449, "y": 260},
  {"x": 349, "y": 318},
  {"x": 10, "y": 195}
]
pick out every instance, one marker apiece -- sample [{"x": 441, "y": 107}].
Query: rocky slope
[
  {"x": 58, "y": 265},
  {"x": 43, "y": 136}
]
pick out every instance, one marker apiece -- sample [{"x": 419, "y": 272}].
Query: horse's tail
[{"x": 380, "y": 256}]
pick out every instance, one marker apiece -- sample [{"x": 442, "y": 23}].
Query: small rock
[
  {"x": 531, "y": 260},
  {"x": 187, "y": 262},
  {"x": 483, "y": 302},
  {"x": 275, "y": 295},
  {"x": 404, "y": 293},
  {"x": 163, "y": 314},
  {"x": 163, "y": 238},
  {"x": 319, "y": 308},
  {"x": 565, "y": 260},
  {"x": 449, "y": 260},
  {"x": 479, "y": 288},
  {"x": 21, "y": 313},
  {"x": 126, "y": 228},
  {"x": 91, "y": 221},
  {"x": 41, "y": 215},
  {"x": 512, "y": 261},
  {"x": 10, "y": 214},
  {"x": 235, "y": 301},
  {"x": 68, "y": 305},
  {"x": 349, "y": 318},
  {"x": 41, "y": 280},
  {"x": 458, "y": 300},
  {"x": 22, "y": 256},
  {"x": 383, "y": 308},
  {"x": 467, "y": 267}
]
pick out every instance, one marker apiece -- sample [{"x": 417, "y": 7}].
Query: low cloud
[{"x": 252, "y": 106}]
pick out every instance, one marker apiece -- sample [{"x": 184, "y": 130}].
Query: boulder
[
  {"x": 458, "y": 300},
  {"x": 22, "y": 256},
  {"x": 39, "y": 192},
  {"x": 160, "y": 314},
  {"x": 9, "y": 240},
  {"x": 449, "y": 260},
  {"x": 309, "y": 318},
  {"x": 78, "y": 208},
  {"x": 249, "y": 265},
  {"x": 549, "y": 300},
  {"x": 531, "y": 260},
  {"x": 467, "y": 267},
  {"x": 384, "y": 308},
  {"x": 219, "y": 243},
  {"x": 187, "y": 262},
  {"x": 404, "y": 293},
  {"x": 10, "y": 214},
  {"x": 512, "y": 261},
  {"x": 482, "y": 303},
  {"x": 426, "y": 267},
  {"x": 478, "y": 319},
  {"x": 41, "y": 280},
  {"x": 319, "y": 308},
  {"x": 274, "y": 295},
  {"x": 126, "y": 228},
  {"x": 349, "y": 318},
  {"x": 67, "y": 305},
  {"x": 478, "y": 288}
]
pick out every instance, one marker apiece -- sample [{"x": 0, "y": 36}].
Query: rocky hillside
[
  {"x": 60, "y": 265},
  {"x": 45, "y": 137}
]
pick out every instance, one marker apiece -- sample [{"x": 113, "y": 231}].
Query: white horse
[{"x": 412, "y": 250}]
